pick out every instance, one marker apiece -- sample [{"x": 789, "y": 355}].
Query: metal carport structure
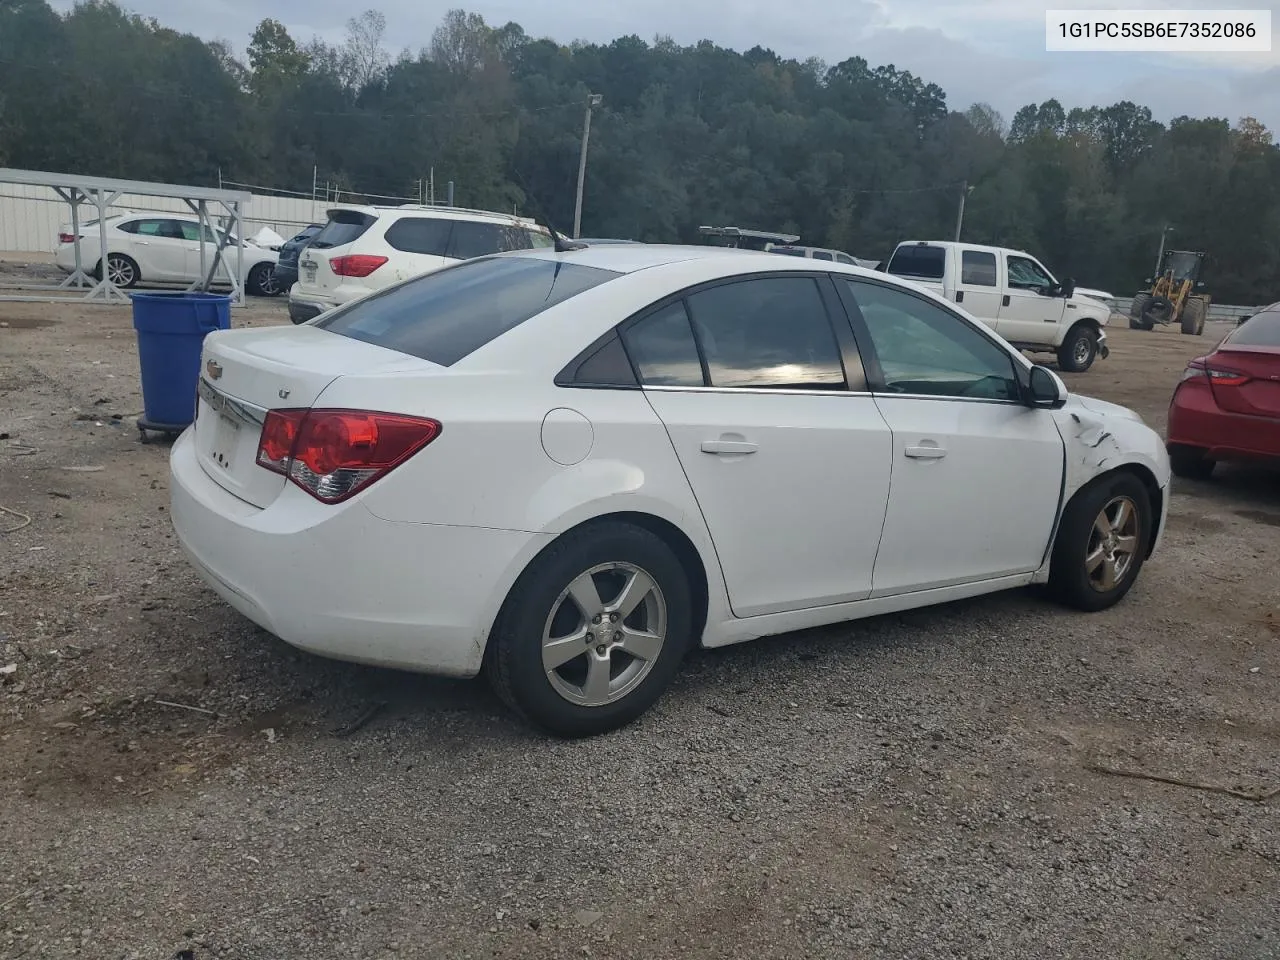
[{"x": 102, "y": 192}]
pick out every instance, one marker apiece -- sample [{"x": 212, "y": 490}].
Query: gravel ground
[{"x": 925, "y": 785}]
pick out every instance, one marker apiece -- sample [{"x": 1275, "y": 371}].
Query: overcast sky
[{"x": 989, "y": 51}]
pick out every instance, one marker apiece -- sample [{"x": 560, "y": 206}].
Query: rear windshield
[
  {"x": 1260, "y": 330},
  {"x": 445, "y": 315},
  {"x": 343, "y": 227},
  {"x": 924, "y": 263}
]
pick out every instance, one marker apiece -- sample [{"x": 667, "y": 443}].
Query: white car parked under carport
[{"x": 147, "y": 248}]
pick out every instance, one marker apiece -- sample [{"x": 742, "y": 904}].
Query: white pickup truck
[{"x": 1012, "y": 293}]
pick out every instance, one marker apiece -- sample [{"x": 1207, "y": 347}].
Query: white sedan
[
  {"x": 563, "y": 469},
  {"x": 164, "y": 248}
]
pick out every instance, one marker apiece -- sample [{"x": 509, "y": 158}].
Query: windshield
[
  {"x": 1185, "y": 266},
  {"x": 445, "y": 315},
  {"x": 1260, "y": 330}
]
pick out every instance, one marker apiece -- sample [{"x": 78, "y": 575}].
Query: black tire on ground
[
  {"x": 1194, "y": 312},
  {"x": 1137, "y": 307},
  {"x": 1082, "y": 542},
  {"x": 1079, "y": 349},
  {"x": 1190, "y": 463},
  {"x": 1157, "y": 310},
  {"x": 122, "y": 269},
  {"x": 539, "y": 602},
  {"x": 262, "y": 281}
]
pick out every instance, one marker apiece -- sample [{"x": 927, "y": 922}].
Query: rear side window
[
  {"x": 845, "y": 258},
  {"x": 426, "y": 235},
  {"x": 821, "y": 255},
  {"x": 770, "y": 332},
  {"x": 978, "y": 269},
  {"x": 663, "y": 350},
  {"x": 1260, "y": 330},
  {"x": 344, "y": 226},
  {"x": 473, "y": 239},
  {"x": 445, "y": 315},
  {"x": 921, "y": 262}
]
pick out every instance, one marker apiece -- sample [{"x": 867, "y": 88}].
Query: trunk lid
[
  {"x": 1259, "y": 396},
  {"x": 244, "y": 374}
]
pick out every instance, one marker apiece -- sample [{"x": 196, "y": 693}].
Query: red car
[{"x": 1227, "y": 404}]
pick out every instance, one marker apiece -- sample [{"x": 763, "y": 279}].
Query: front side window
[
  {"x": 821, "y": 255},
  {"x": 926, "y": 350},
  {"x": 194, "y": 232},
  {"x": 978, "y": 269},
  {"x": 1026, "y": 274},
  {"x": 770, "y": 332}
]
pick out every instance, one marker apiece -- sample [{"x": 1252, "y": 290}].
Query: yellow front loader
[{"x": 1175, "y": 296}]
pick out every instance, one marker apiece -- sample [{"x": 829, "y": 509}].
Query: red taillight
[
  {"x": 356, "y": 265},
  {"x": 333, "y": 454},
  {"x": 1203, "y": 367},
  {"x": 66, "y": 238}
]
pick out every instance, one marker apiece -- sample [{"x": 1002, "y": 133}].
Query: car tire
[
  {"x": 262, "y": 281},
  {"x": 1079, "y": 349},
  {"x": 1101, "y": 545},
  {"x": 1194, "y": 312},
  {"x": 1136, "y": 310},
  {"x": 122, "y": 269},
  {"x": 1190, "y": 463},
  {"x": 546, "y": 618}
]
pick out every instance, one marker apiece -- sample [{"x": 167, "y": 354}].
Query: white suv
[{"x": 362, "y": 249}]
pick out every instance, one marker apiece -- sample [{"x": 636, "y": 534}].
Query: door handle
[
  {"x": 144, "y": 243},
  {"x": 927, "y": 450},
  {"x": 959, "y": 296},
  {"x": 724, "y": 447},
  {"x": 1005, "y": 301}
]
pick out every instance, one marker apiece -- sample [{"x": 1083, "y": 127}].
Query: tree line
[{"x": 851, "y": 156}]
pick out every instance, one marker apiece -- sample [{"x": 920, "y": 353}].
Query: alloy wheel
[
  {"x": 1113, "y": 544},
  {"x": 604, "y": 634},
  {"x": 120, "y": 271}
]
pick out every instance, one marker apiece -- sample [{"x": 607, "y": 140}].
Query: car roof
[
  {"x": 628, "y": 258},
  {"x": 966, "y": 246},
  {"x": 443, "y": 213}
]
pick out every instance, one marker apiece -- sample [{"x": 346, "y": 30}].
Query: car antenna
[{"x": 562, "y": 243}]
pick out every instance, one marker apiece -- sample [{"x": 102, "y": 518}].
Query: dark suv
[{"x": 287, "y": 266}]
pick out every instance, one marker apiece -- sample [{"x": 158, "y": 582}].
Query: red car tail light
[
  {"x": 1201, "y": 367},
  {"x": 66, "y": 238},
  {"x": 334, "y": 454},
  {"x": 356, "y": 265}
]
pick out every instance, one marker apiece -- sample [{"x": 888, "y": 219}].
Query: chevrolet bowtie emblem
[{"x": 214, "y": 369}]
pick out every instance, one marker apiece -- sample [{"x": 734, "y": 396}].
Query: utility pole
[
  {"x": 1160, "y": 256},
  {"x": 965, "y": 190},
  {"x": 593, "y": 100}
]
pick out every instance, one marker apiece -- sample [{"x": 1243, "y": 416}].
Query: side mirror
[
  {"x": 1069, "y": 287},
  {"x": 1243, "y": 319},
  {"x": 1045, "y": 389}
]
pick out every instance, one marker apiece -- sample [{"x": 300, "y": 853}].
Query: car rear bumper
[
  {"x": 302, "y": 307},
  {"x": 338, "y": 581},
  {"x": 1195, "y": 420}
]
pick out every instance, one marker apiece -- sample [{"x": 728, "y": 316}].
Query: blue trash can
[{"x": 171, "y": 328}]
